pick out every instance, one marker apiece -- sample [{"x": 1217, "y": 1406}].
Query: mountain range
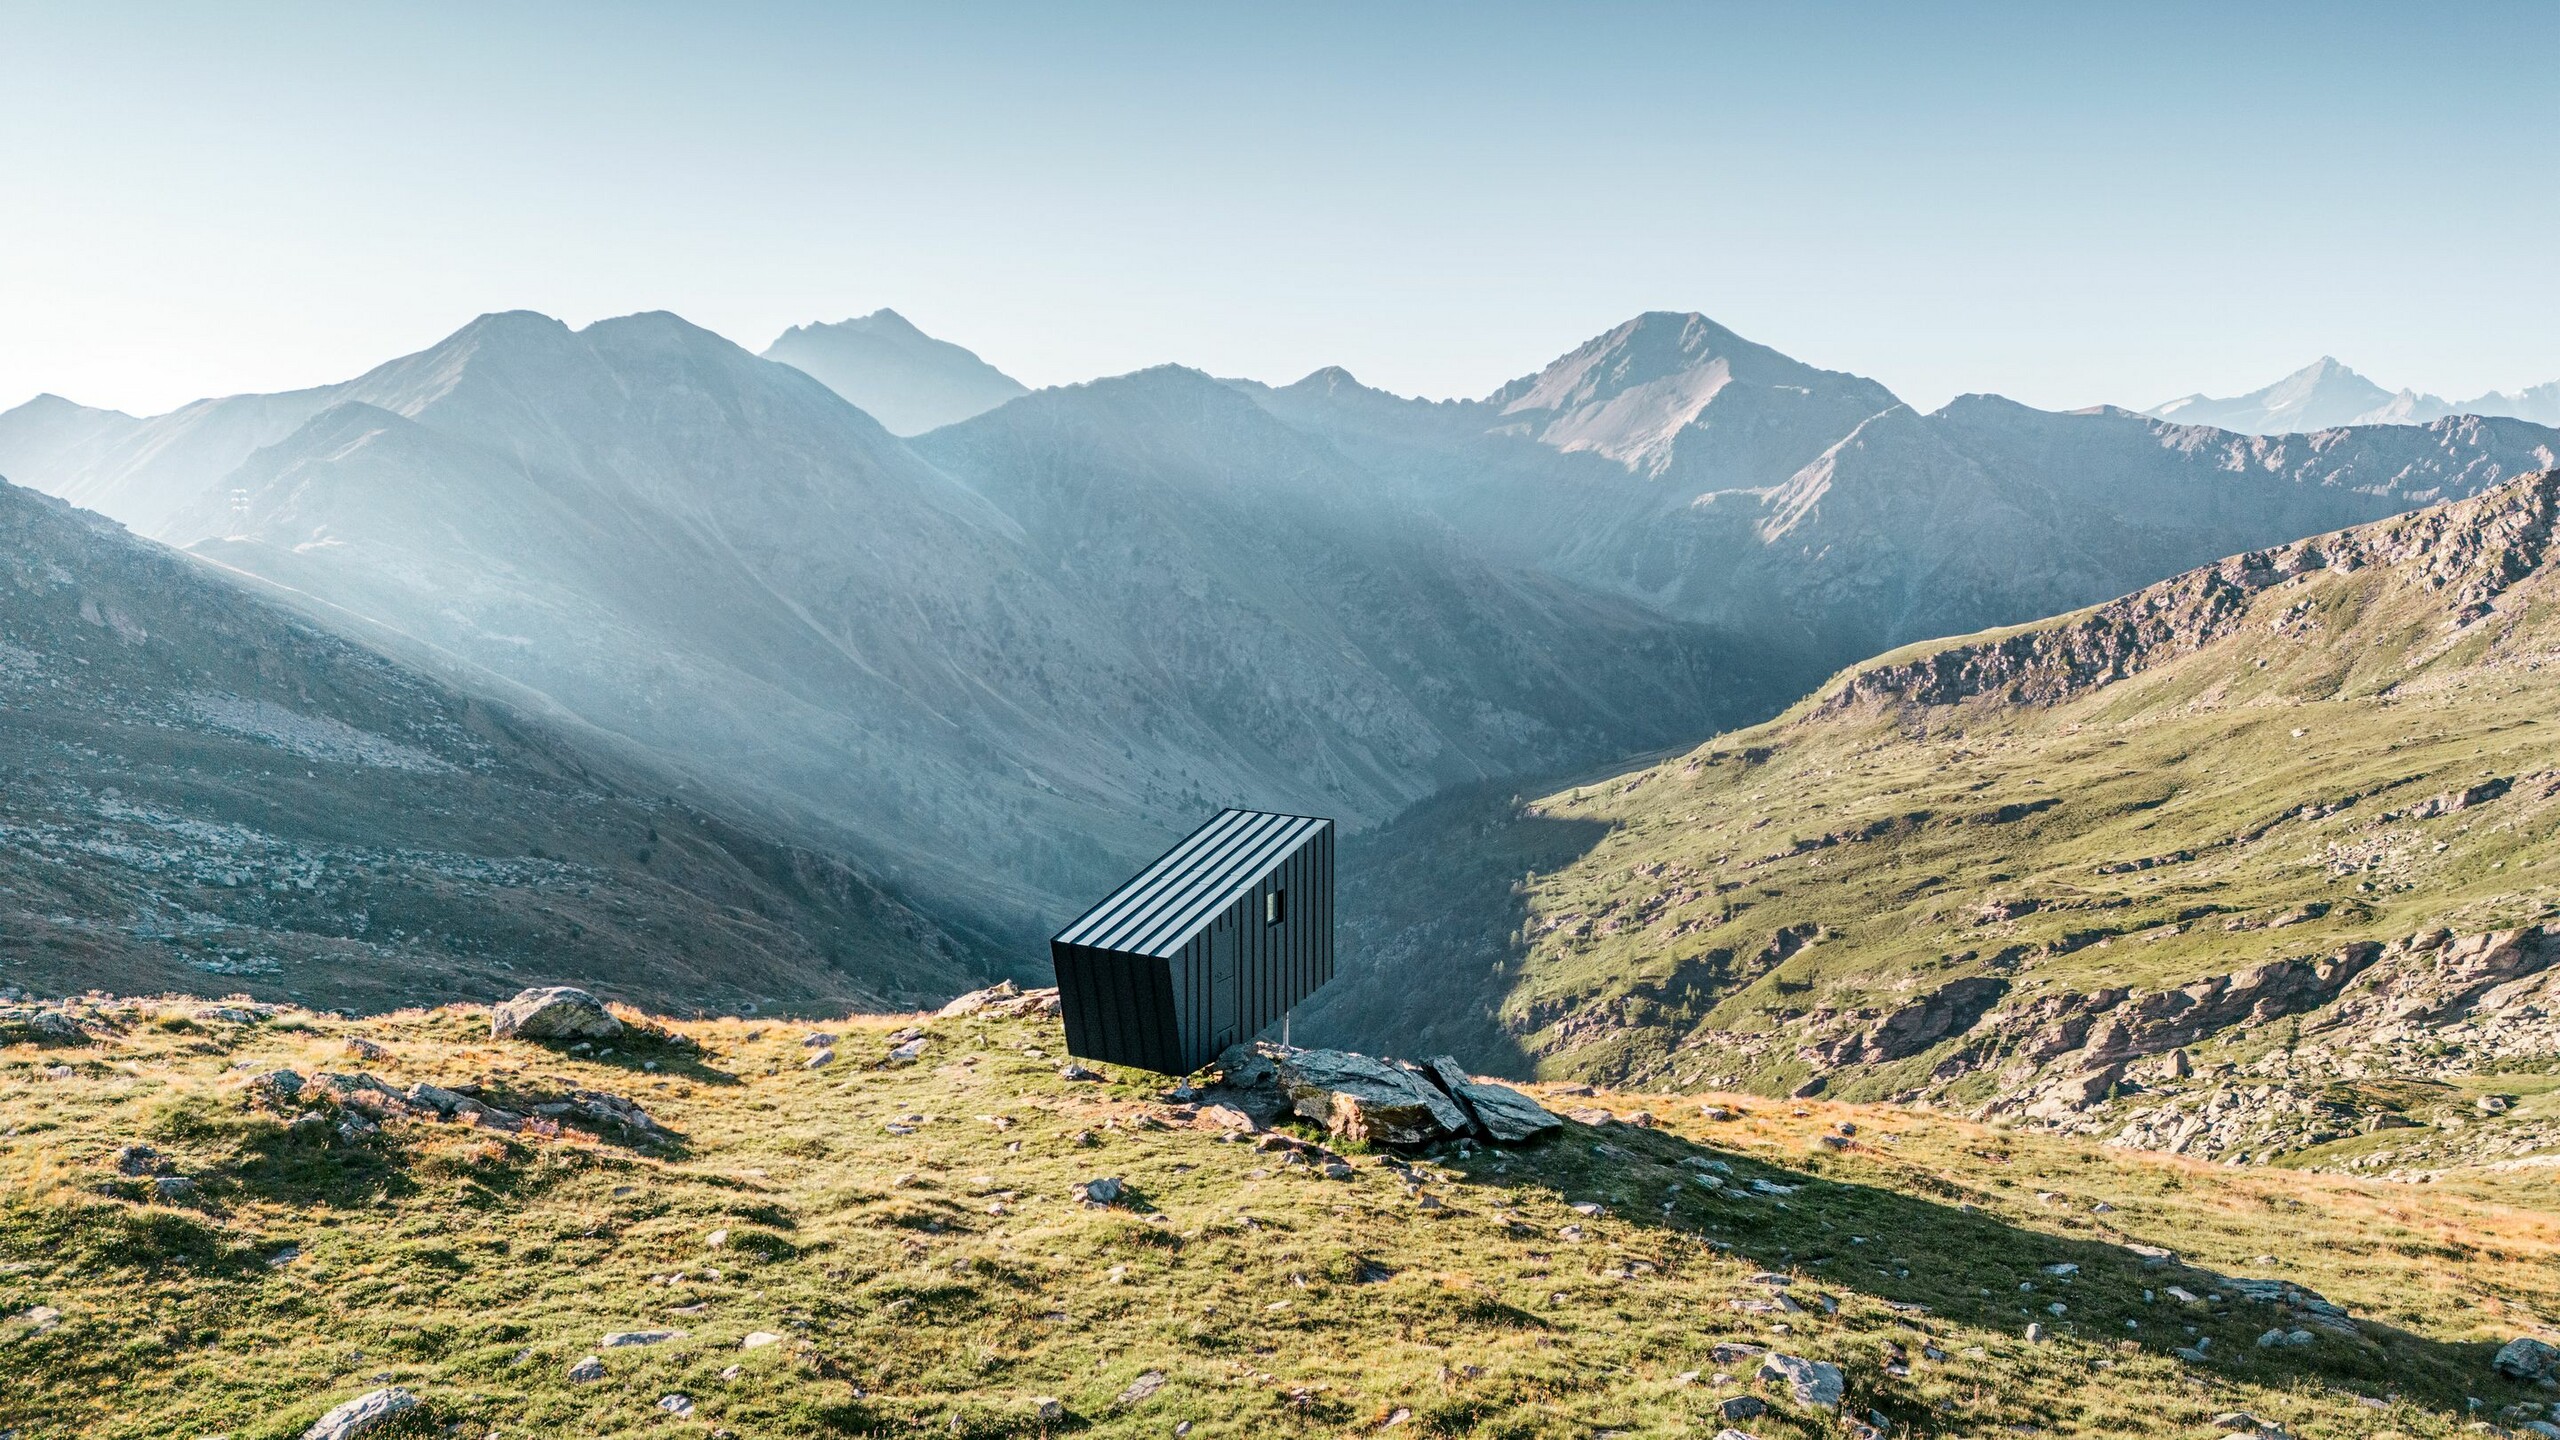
[
  {"x": 999, "y": 663},
  {"x": 2326, "y": 395}
]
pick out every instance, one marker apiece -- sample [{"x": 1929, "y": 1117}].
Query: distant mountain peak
[
  {"x": 2322, "y": 395},
  {"x": 1632, "y": 393},
  {"x": 904, "y": 378}
]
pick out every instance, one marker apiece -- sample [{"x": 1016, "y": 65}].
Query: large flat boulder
[
  {"x": 1359, "y": 1098},
  {"x": 1501, "y": 1114},
  {"x": 553, "y": 1012}
]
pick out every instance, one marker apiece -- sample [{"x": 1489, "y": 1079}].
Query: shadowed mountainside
[{"x": 201, "y": 788}]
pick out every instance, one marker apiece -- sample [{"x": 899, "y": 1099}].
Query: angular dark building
[{"x": 1205, "y": 947}]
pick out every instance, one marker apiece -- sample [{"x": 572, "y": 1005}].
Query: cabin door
[{"x": 1226, "y": 980}]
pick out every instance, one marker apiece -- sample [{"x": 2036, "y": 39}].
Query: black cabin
[{"x": 1205, "y": 947}]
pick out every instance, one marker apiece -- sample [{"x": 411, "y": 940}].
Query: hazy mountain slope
[
  {"x": 895, "y": 373},
  {"x": 712, "y": 556},
  {"x": 958, "y": 670},
  {"x": 2537, "y": 403},
  {"x": 204, "y": 789},
  {"x": 874, "y": 1247},
  {"x": 143, "y": 472},
  {"x": 2021, "y": 870},
  {"x": 1347, "y": 638}
]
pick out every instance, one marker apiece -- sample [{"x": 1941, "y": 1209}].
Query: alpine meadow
[{"x": 1342, "y": 782}]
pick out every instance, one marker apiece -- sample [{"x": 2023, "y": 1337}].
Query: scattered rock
[
  {"x": 822, "y": 1059},
  {"x": 1076, "y": 1072},
  {"x": 1048, "y": 1410},
  {"x": 2035, "y": 1333},
  {"x": 620, "y": 1338},
  {"x": 362, "y": 1415},
  {"x": 553, "y": 1012},
  {"x": 1106, "y": 1190},
  {"x": 35, "y": 1320},
  {"x": 977, "y": 1000},
  {"x": 758, "y": 1339},
  {"x": 817, "y": 1040},
  {"x": 591, "y": 1368},
  {"x": 175, "y": 1190},
  {"x": 141, "y": 1160},
  {"x": 2528, "y": 1360},
  {"x": 1140, "y": 1388},
  {"x": 1816, "y": 1383},
  {"x": 1741, "y": 1407},
  {"x": 679, "y": 1406}
]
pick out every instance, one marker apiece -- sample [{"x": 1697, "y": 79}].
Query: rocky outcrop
[
  {"x": 2429, "y": 978},
  {"x": 1360, "y": 1098},
  {"x": 2168, "y": 1019},
  {"x": 1501, "y": 1114},
  {"x": 1950, "y": 1010},
  {"x": 1003, "y": 1000},
  {"x": 2469, "y": 553},
  {"x": 553, "y": 1012}
]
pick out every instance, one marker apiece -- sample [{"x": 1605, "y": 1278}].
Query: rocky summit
[{"x": 408, "y": 1224}]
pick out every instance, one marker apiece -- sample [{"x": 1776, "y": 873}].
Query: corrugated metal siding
[
  {"x": 1159, "y": 911},
  {"x": 1148, "y": 1001}
]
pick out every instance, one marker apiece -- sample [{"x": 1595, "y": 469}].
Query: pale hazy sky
[{"x": 2063, "y": 203}]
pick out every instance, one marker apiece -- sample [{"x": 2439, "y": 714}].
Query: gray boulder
[
  {"x": 362, "y": 1415},
  {"x": 553, "y": 1012},
  {"x": 1359, "y": 1098},
  {"x": 1811, "y": 1382},
  {"x": 2527, "y": 1359},
  {"x": 1501, "y": 1114}
]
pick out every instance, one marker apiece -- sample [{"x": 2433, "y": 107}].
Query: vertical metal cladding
[{"x": 1187, "y": 957}]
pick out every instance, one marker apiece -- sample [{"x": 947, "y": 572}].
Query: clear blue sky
[{"x": 2062, "y": 203}]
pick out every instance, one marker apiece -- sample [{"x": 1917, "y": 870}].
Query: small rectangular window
[{"x": 1275, "y": 907}]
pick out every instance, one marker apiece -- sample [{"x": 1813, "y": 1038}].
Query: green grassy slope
[
  {"x": 2271, "y": 759},
  {"x": 912, "y": 1238}
]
